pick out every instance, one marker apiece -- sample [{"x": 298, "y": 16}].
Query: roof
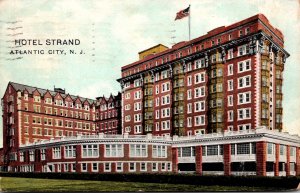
[
  {"x": 31, "y": 89},
  {"x": 209, "y": 34},
  {"x": 153, "y": 47}
]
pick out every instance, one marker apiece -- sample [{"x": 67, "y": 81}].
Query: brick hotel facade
[
  {"x": 211, "y": 105},
  {"x": 228, "y": 79}
]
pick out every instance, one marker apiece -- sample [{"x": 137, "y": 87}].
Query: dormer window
[
  {"x": 241, "y": 33},
  {"x": 48, "y": 100},
  {"x": 58, "y": 102},
  {"x": 26, "y": 97},
  {"x": 37, "y": 99}
]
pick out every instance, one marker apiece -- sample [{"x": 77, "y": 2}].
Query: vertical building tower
[
  {"x": 228, "y": 79},
  {"x": 108, "y": 114}
]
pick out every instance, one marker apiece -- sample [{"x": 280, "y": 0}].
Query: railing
[
  {"x": 243, "y": 173},
  {"x": 213, "y": 172},
  {"x": 175, "y": 138}
]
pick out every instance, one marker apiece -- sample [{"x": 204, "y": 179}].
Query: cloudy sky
[{"x": 112, "y": 32}]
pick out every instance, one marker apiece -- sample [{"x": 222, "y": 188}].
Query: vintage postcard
[{"x": 141, "y": 95}]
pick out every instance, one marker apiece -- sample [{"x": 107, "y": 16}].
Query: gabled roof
[{"x": 31, "y": 89}]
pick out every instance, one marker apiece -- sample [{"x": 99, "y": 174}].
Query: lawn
[{"x": 12, "y": 184}]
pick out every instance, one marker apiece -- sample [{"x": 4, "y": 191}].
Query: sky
[{"x": 112, "y": 32}]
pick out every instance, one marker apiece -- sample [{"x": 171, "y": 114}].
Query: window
[
  {"x": 84, "y": 167},
  {"x": 189, "y": 122},
  {"x": 212, "y": 43},
  {"x": 26, "y": 97},
  {"x": 243, "y": 148},
  {"x": 157, "y": 114},
  {"x": 282, "y": 150},
  {"x": 189, "y": 108},
  {"x": 107, "y": 167},
  {"x": 240, "y": 33},
  {"x": 159, "y": 151},
  {"x": 230, "y": 115},
  {"x": 165, "y": 100},
  {"x": 127, "y": 95},
  {"x": 43, "y": 154},
  {"x": 138, "y": 150},
  {"x": 137, "y": 106},
  {"x": 127, "y": 85},
  {"x": 244, "y": 66},
  {"x": 199, "y": 92},
  {"x": 137, "y": 129},
  {"x": 230, "y": 69},
  {"x": 143, "y": 167},
  {"x": 244, "y": 113},
  {"x": 137, "y": 95},
  {"x": 70, "y": 151},
  {"x": 66, "y": 167},
  {"x": 36, "y": 98},
  {"x": 189, "y": 94},
  {"x": 211, "y": 150},
  {"x": 165, "y": 125},
  {"x": 26, "y": 119},
  {"x": 243, "y": 50},
  {"x": 90, "y": 151},
  {"x": 137, "y": 83},
  {"x": 127, "y": 118},
  {"x": 31, "y": 156},
  {"x": 244, "y": 127},
  {"x": 36, "y": 120},
  {"x": 164, "y": 74},
  {"x": 189, "y": 80},
  {"x": 247, "y": 30},
  {"x": 244, "y": 81},
  {"x": 37, "y": 108},
  {"x": 165, "y": 87},
  {"x": 21, "y": 156},
  {"x": 271, "y": 148},
  {"x": 199, "y": 63},
  {"x": 95, "y": 167},
  {"x": 56, "y": 153},
  {"x": 292, "y": 151},
  {"x": 165, "y": 112},
  {"x": 244, "y": 98},
  {"x": 137, "y": 118},
  {"x": 230, "y": 85},
  {"x": 230, "y": 54},
  {"x": 230, "y": 100},
  {"x": 119, "y": 166},
  {"x": 127, "y": 107},
  {"x": 154, "y": 166},
  {"x": 132, "y": 167},
  {"x": 114, "y": 150},
  {"x": 199, "y": 120},
  {"x": 200, "y": 77},
  {"x": 199, "y": 106}
]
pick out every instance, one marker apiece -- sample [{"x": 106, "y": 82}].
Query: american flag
[{"x": 183, "y": 13}]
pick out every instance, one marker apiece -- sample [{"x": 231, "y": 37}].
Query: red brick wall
[
  {"x": 276, "y": 164},
  {"x": 198, "y": 159},
  {"x": 174, "y": 160},
  {"x": 287, "y": 167},
  {"x": 227, "y": 158},
  {"x": 261, "y": 157},
  {"x": 297, "y": 161}
]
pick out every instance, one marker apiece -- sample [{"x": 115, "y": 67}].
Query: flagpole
[{"x": 189, "y": 22}]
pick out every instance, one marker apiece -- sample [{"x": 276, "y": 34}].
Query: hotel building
[
  {"x": 32, "y": 114},
  {"x": 228, "y": 79}
]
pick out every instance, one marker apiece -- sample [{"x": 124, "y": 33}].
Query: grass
[{"x": 12, "y": 184}]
